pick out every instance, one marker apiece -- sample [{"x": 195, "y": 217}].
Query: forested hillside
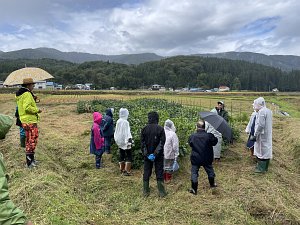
[{"x": 175, "y": 72}]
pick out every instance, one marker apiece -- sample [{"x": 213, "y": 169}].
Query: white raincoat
[
  {"x": 122, "y": 132},
  {"x": 218, "y": 147},
  {"x": 263, "y": 130},
  {"x": 171, "y": 147}
]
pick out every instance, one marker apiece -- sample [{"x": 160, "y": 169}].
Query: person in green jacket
[
  {"x": 29, "y": 116},
  {"x": 9, "y": 213}
]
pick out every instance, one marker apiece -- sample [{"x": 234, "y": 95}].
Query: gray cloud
[{"x": 165, "y": 27}]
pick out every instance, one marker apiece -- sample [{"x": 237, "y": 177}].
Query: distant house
[
  {"x": 155, "y": 87},
  {"x": 275, "y": 90},
  {"x": 40, "y": 84},
  {"x": 50, "y": 85},
  {"x": 59, "y": 87},
  {"x": 224, "y": 88}
]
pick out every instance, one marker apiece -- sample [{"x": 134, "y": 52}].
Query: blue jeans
[{"x": 195, "y": 172}]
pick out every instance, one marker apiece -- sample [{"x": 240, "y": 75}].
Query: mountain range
[{"x": 283, "y": 62}]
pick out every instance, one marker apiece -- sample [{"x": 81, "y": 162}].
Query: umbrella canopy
[
  {"x": 218, "y": 123},
  {"x": 17, "y": 76}
]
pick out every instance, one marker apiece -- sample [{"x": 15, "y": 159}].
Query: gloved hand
[
  {"x": 252, "y": 138},
  {"x": 151, "y": 157}
]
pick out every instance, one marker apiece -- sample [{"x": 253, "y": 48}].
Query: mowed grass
[{"x": 66, "y": 189}]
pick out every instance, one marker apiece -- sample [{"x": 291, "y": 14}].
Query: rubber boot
[
  {"x": 23, "y": 141},
  {"x": 261, "y": 166},
  {"x": 267, "y": 164},
  {"x": 98, "y": 161},
  {"x": 122, "y": 167},
  {"x": 30, "y": 160},
  {"x": 212, "y": 182},
  {"x": 161, "y": 189},
  {"x": 194, "y": 188},
  {"x": 127, "y": 169},
  {"x": 168, "y": 177},
  {"x": 146, "y": 188}
]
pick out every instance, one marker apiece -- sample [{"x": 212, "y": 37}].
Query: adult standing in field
[
  {"x": 152, "y": 146},
  {"x": 220, "y": 110},
  {"x": 250, "y": 131},
  {"x": 262, "y": 135},
  {"x": 107, "y": 126},
  {"x": 123, "y": 139},
  {"x": 29, "y": 116},
  {"x": 202, "y": 154},
  {"x": 171, "y": 150}
]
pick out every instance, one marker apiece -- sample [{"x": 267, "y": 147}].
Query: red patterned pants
[{"x": 32, "y": 134}]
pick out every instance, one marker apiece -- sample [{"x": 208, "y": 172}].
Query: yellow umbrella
[{"x": 17, "y": 76}]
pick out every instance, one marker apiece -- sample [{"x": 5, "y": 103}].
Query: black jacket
[
  {"x": 153, "y": 137},
  {"x": 107, "y": 124},
  {"x": 202, "y": 144}
]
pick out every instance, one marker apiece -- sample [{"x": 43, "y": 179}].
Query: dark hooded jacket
[
  {"x": 153, "y": 136},
  {"x": 222, "y": 112},
  {"x": 107, "y": 124},
  {"x": 202, "y": 144}
]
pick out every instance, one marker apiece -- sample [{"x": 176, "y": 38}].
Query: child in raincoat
[
  {"x": 123, "y": 139},
  {"x": 171, "y": 150},
  {"x": 250, "y": 131},
  {"x": 107, "y": 127},
  {"x": 97, "y": 140}
]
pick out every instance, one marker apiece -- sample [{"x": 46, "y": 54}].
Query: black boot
[
  {"x": 30, "y": 160},
  {"x": 194, "y": 188},
  {"x": 146, "y": 188},
  {"x": 98, "y": 161},
  {"x": 212, "y": 182},
  {"x": 161, "y": 189}
]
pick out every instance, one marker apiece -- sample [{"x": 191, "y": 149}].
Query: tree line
[{"x": 174, "y": 72}]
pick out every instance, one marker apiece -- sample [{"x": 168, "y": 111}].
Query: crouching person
[
  {"x": 152, "y": 143},
  {"x": 10, "y": 214},
  {"x": 123, "y": 139},
  {"x": 202, "y": 154},
  {"x": 97, "y": 140}
]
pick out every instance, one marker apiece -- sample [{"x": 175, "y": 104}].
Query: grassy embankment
[{"x": 66, "y": 189}]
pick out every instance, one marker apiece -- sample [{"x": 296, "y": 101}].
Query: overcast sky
[{"x": 164, "y": 27}]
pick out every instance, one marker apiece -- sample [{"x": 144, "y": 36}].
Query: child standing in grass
[
  {"x": 97, "y": 140},
  {"x": 107, "y": 126},
  {"x": 123, "y": 139}
]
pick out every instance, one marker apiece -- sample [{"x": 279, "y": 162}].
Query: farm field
[{"x": 66, "y": 189}]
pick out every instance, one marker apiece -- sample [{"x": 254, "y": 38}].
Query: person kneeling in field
[
  {"x": 97, "y": 140},
  {"x": 202, "y": 154},
  {"x": 123, "y": 139}
]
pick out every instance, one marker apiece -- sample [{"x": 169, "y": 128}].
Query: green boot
[
  {"x": 146, "y": 188},
  {"x": 261, "y": 166},
  {"x": 23, "y": 141},
  {"x": 267, "y": 165},
  {"x": 161, "y": 189}
]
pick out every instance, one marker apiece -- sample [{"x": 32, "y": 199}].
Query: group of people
[{"x": 159, "y": 145}]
